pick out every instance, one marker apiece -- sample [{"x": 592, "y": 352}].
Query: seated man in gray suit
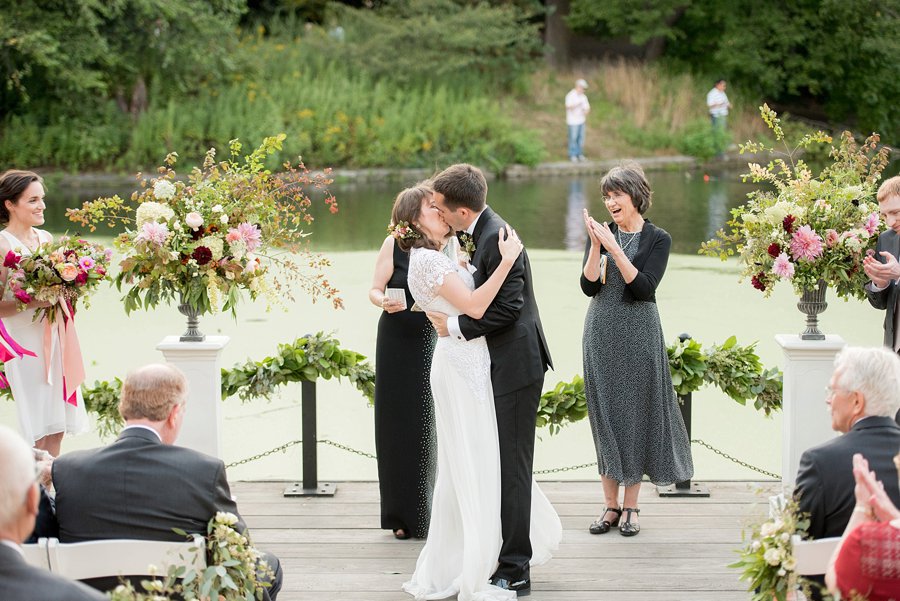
[
  {"x": 19, "y": 498},
  {"x": 142, "y": 486},
  {"x": 863, "y": 397}
]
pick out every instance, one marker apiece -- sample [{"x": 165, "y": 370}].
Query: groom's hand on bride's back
[{"x": 439, "y": 321}]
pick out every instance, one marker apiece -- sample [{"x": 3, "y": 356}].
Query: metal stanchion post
[{"x": 310, "y": 487}]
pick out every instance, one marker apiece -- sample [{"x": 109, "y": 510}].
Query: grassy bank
[{"x": 337, "y": 115}]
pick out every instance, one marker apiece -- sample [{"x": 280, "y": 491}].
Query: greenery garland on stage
[{"x": 734, "y": 369}]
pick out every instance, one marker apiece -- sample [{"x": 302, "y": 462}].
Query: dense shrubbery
[{"x": 349, "y": 98}]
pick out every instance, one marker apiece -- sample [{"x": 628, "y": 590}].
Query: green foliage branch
[
  {"x": 233, "y": 571},
  {"x": 767, "y": 561}
]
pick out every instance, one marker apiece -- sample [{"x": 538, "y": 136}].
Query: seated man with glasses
[{"x": 863, "y": 397}]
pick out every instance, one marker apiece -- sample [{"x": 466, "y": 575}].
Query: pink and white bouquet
[
  {"x": 60, "y": 273},
  {"x": 233, "y": 226},
  {"x": 802, "y": 228}
]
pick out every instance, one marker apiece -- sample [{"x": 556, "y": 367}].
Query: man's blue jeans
[{"x": 576, "y": 141}]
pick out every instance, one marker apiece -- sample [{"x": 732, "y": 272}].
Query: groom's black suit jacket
[
  {"x": 511, "y": 324},
  {"x": 887, "y": 299}
]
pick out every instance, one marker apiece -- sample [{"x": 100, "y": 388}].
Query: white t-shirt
[
  {"x": 717, "y": 102},
  {"x": 577, "y": 107}
]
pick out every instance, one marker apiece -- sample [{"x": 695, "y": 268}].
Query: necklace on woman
[{"x": 631, "y": 238}]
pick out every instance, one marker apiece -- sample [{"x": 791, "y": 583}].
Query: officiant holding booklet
[{"x": 404, "y": 409}]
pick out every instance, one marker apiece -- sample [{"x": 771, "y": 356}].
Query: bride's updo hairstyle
[
  {"x": 12, "y": 184},
  {"x": 407, "y": 210}
]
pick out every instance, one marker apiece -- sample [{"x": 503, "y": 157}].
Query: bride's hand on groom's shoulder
[{"x": 510, "y": 245}]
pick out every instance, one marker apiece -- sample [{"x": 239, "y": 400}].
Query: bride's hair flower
[{"x": 402, "y": 231}]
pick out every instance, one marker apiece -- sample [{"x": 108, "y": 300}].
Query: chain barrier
[
  {"x": 703, "y": 443},
  {"x": 555, "y": 470}
]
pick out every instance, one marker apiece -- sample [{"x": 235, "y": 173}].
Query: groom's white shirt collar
[
  {"x": 453, "y": 320},
  {"x": 471, "y": 229},
  {"x": 13, "y": 545},
  {"x": 134, "y": 426}
]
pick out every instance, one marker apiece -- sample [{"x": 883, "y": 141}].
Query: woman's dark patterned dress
[
  {"x": 632, "y": 406},
  {"x": 404, "y": 412}
]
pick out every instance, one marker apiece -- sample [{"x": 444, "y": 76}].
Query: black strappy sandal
[
  {"x": 601, "y": 526},
  {"x": 628, "y": 528}
]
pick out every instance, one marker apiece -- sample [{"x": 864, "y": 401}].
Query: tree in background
[
  {"x": 841, "y": 55},
  {"x": 69, "y": 56},
  {"x": 428, "y": 40}
]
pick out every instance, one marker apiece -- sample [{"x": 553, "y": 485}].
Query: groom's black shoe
[{"x": 522, "y": 587}]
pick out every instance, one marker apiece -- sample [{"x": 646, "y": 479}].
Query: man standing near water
[{"x": 577, "y": 108}]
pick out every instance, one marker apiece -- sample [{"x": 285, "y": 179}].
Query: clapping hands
[
  {"x": 880, "y": 273},
  {"x": 599, "y": 233},
  {"x": 870, "y": 492}
]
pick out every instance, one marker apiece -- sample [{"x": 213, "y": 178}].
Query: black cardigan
[{"x": 650, "y": 261}]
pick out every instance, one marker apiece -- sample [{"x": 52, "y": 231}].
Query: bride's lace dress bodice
[{"x": 427, "y": 269}]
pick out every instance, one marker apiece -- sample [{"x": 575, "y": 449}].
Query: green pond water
[{"x": 698, "y": 295}]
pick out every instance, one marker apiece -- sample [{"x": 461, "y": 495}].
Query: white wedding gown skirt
[{"x": 464, "y": 538}]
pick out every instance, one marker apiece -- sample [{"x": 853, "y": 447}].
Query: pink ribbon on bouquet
[
  {"x": 10, "y": 349},
  {"x": 69, "y": 350}
]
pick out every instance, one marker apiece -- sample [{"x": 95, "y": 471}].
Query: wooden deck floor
[{"x": 331, "y": 547}]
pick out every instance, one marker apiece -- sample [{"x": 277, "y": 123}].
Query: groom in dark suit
[
  {"x": 142, "y": 486},
  {"x": 883, "y": 269},
  {"x": 519, "y": 357}
]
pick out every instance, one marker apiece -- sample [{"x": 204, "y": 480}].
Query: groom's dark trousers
[{"x": 519, "y": 358}]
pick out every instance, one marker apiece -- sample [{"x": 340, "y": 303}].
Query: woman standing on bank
[
  {"x": 632, "y": 407},
  {"x": 44, "y": 414},
  {"x": 404, "y": 409}
]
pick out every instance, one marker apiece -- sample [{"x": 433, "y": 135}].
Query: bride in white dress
[{"x": 464, "y": 536}]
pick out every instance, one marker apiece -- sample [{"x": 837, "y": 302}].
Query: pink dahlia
[
  {"x": 153, "y": 232},
  {"x": 872, "y": 223},
  {"x": 251, "y": 234},
  {"x": 783, "y": 267},
  {"x": 806, "y": 244}
]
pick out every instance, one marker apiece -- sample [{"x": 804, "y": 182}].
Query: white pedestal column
[
  {"x": 806, "y": 421},
  {"x": 200, "y": 363}
]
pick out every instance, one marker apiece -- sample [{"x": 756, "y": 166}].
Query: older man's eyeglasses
[{"x": 831, "y": 391}]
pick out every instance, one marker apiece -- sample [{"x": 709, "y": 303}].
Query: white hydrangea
[
  {"x": 772, "y": 557},
  {"x": 152, "y": 211},
  {"x": 238, "y": 249},
  {"x": 214, "y": 244},
  {"x": 163, "y": 189}
]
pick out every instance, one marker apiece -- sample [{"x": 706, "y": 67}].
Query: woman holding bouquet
[{"x": 36, "y": 382}]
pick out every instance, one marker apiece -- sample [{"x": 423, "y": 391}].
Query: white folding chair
[
  {"x": 123, "y": 557},
  {"x": 812, "y": 556},
  {"x": 36, "y": 554}
]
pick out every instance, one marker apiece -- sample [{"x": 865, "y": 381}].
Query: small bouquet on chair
[{"x": 59, "y": 273}]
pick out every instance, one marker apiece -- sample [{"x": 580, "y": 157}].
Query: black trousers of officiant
[{"x": 516, "y": 423}]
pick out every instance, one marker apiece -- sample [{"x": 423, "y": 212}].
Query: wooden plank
[{"x": 332, "y": 548}]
